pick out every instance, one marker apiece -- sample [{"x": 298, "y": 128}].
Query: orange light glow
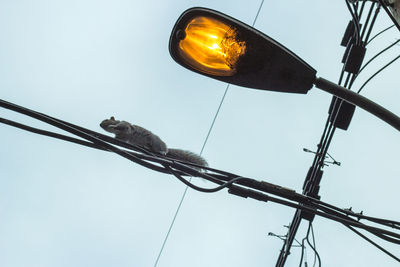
[{"x": 211, "y": 46}]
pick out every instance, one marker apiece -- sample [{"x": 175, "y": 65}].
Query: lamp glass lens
[{"x": 211, "y": 46}]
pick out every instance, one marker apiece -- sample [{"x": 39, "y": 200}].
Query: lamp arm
[{"x": 359, "y": 101}]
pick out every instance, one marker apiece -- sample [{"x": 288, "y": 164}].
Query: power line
[
  {"x": 314, "y": 247},
  {"x": 378, "y": 54},
  {"x": 201, "y": 152},
  {"x": 224, "y": 179},
  {"x": 379, "y": 33},
  {"x": 314, "y": 175},
  {"x": 377, "y": 72}
]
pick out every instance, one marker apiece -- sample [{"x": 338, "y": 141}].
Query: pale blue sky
[{"x": 82, "y": 61}]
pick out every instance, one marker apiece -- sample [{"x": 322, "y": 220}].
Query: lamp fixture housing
[{"x": 218, "y": 46}]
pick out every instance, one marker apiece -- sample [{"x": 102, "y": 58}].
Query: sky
[{"x": 82, "y": 61}]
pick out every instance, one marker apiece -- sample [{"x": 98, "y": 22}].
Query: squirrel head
[
  {"x": 116, "y": 127},
  {"x": 105, "y": 124}
]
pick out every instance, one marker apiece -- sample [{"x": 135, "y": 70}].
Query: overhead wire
[
  {"x": 330, "y": 127},
  {"x": 313, "y": 247},
  {"x": 377, "y": 55},
  {"x": 376, "y": 73},
  {"x": 355, "y": 21},
  {"x": 378, "y": 8},
  {"x": 327, "y": 213},
  {"x": 373, "y": 243},
  {"x": 379, "y": 33},
  {"x": 337, "y": 214},
  {"x": 303, "y": 246}
]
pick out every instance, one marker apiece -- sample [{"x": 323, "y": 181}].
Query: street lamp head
[{"x": 221, "y": 47}]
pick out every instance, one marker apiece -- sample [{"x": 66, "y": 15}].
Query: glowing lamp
[
  {"x": 216, "y": 45},
  {"x": 211, "y": 46}
]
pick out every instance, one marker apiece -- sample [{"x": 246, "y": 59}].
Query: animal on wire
[{"x": 141, "y": 137}]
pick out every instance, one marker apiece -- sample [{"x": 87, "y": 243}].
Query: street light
[{"x": 218, "y": 46}]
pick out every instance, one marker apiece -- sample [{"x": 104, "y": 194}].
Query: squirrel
[{"x": 139, "y": 136}]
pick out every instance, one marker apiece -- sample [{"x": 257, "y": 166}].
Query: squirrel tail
[{"x": 188, "y": 156}]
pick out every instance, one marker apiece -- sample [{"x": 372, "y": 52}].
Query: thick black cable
[
  {"x": 381, "y": 233},
  {"x": 75, "y": 131},
  {"x": 316, "y": 164},
  {"x": 367, "y": 20},
  {"x": 204, "y": 190},
  {"x": 376, "y": 73},
  {"x": 355, "y": 21},
  {"x": 358, "y": 216},
  {"x": 233, "y": 178},
  {"x": 157, "y": 159},
  {"x": 372, "y": 25},
  {"x": 373, "y": 243},
  {"x": 340, "y": 219},
  {"x": 329, "y": 130},
  {"x": 327, "y": 139},
  {"x": 272, "y": 199},
  {"x": 50, "y": 134},
  {"x": 361, "y": 9},
  {"x": 375, "y": 230}
]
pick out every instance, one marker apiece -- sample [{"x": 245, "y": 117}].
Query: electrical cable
[
  {"x": 148, "y": 157},
  {"x": 372, "y": 25},
  {"x": 361, "y": 9},
  {"x": 378, "y": 54},
  {"x": 312, "y": 233},
  {"x": 330, "y": 130},
  {"x": 245, "y": 181},
  {"x": 313, "y": 248},
  {"x": 355, "y": 21},
  {"x": 367, "y": 21},
  {"x": 204, "y": 190},
  {"x": 379, "y": 33},
  {"x": 297, "y": 206},
  {"x": 76, "y": 131},
  {"x": 376, "y": 73},
  {"x": 229, "y": 180},
  {"x": 373, "y": 243},
  {"x": 302, "y": 245}
]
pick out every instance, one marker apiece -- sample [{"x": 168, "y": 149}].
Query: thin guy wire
[
  {"x": 190, "y": 179},
  {"x": 201, "y": 152}
]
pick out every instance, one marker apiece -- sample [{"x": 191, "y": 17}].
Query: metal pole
[{"x": 359, "y": 100}]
